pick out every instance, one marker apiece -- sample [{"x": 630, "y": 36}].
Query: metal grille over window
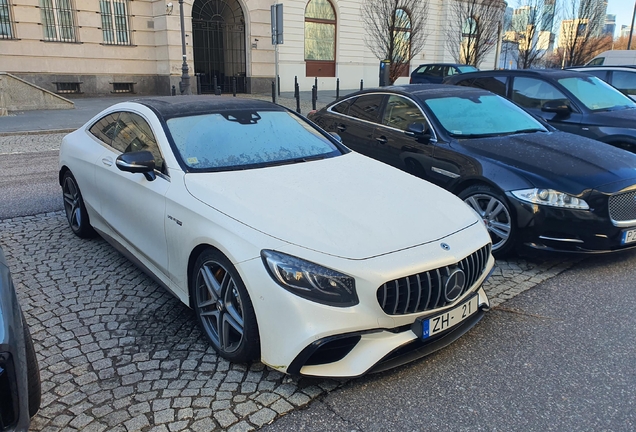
[
  {"x": 622, "y": 207},
  {"x": 6, "y": 23},
  {"x": 58, "y": 20},
  {"x": 115, "y": 25},
  {"x": 426, "y": 291}
]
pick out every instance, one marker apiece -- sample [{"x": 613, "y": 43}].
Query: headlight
[
  {"x": 309, "y": 280},
  {"x": 551, "y": 198}
]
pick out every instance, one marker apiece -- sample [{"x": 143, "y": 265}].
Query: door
[
  {"x": 533, "y": 93},
  {"x": 356, "y": 128},
  {"x": 133, "y": 207}
]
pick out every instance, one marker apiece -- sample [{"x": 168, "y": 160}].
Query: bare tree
[
  {"x": 533, "y": 27},
  {"x": 396, "y": 31},
  {"x": 473, "y": 29},
  {"x": 580, "y": 38}
]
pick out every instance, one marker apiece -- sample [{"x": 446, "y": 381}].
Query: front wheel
[
  {"x": 74, "y": 207},
  {"x": 494, "y": 211},
  {"x": 223, "y": 308}
]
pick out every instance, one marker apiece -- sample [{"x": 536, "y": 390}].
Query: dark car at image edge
[
  {"x": 534, "y": 187},
  {"x": 20, "y": 388},
  {"x": 571, "y": 101}
]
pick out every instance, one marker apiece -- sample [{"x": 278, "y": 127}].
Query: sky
[{"x": 623, "y": 10}]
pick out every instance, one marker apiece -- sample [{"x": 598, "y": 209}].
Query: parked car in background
[
  {"x": 290, "y": 248},
  {"x": 435, "y": 73},
  {"x": 614, "y": 58},
  {"x": 533, "y": 186},
  {"x": 621, "y": 77},
  {"x": 570, "y": 101},
  {"x": 20, "y": 388}
]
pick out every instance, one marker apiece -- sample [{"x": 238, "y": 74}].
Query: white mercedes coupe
[{"x": 290, "y": 248}]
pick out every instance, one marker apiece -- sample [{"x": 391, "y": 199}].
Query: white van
[{"x": 614, "y": 58}]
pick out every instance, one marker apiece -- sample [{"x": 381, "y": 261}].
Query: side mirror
[
  {"x": 137, "y": 162},
  {"x": 418, "y": 130},
  {"x": 336, "y": 136},
  {"x": 559, "y": 107}
]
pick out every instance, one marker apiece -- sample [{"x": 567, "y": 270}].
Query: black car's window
[
  {"x": 625, "y": 82},
  {"x": 342, "y": 107},
  {"x": 242, "y": 139},
  {"x": 400, "y": 112},
  {"x": 133, "y": 134},
  {"x": 105, "y": 128},
  {"x": 597, "y": 73},
  {"x": 533, "y": 93},
  {"x": 495, "y": 84},
  {"x": 367, "y": 107}
]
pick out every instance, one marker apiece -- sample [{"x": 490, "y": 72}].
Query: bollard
[
  {"x": 361, "y": 85},
  {"x": 314, "y": 96},
  {"x": 297, "y": 98},
  {"x": 234, "y": 86},
  {"x": 214, "y": 85},
  {"x": 278, "y": 85},
  {"x": 337, "y": 88},
  {"x": 316, "y": 85},
  {"x": 174, "y": 91},
  {"x": 296, "y": 87},
  {"x": 273, "y": 92}
]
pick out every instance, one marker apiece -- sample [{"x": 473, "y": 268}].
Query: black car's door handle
[
  {"x": 381, "y": 140},
  {"x": 341, "y": 127}
]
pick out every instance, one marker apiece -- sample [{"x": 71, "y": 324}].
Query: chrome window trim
[{"x": 433, "y": 136}]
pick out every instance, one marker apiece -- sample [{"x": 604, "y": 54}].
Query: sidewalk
[{"x": 62, "y": 121}]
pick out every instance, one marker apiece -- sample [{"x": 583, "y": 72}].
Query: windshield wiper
[{"x": 520, "y": 131}]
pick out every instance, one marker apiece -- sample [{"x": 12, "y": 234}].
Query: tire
[
  {"x": 34, "y": 384},
  {"x": 495, "y": 212},
  {"x": 74, "y": 208},
  {"x": 223, "y": 308}
]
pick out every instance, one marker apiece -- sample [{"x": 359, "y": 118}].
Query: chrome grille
[
  {"x": 425, "y": 291},
  {"x": 622, "y": 207}
]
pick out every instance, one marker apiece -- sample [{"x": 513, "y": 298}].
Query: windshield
[
  {"x": 464, "y": 69},
  {"x": 484, "y": 115},
  {"x": 246, "y": 139},
  {"x": 596, "y": 94}
]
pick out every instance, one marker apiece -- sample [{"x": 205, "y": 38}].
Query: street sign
[{"x": 277, "y": 24}]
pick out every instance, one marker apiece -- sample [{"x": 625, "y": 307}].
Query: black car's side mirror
[
  {"x": 558, "y": 107},
  {"x": 419, "y": 131},
  {"x": 138, "y": 162}
]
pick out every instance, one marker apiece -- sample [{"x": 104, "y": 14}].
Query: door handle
[
  {"x": 107, "y": 161},
  {"x": 381, "y": 140},
  {"x": 341, "y": 127}
]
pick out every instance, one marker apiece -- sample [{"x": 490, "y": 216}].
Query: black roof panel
[{"x": 178, "y": 106}]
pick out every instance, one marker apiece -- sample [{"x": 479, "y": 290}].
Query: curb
[{"x": 38, "y": 132}]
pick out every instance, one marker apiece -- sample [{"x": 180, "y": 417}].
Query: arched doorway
[{"x": 218, "y": 30}]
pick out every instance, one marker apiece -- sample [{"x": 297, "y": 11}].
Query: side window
[
  {"x": 104, "y": 129},
  {"x": 625, "y": 82},
  {"x": 133, "y": 134},
  {"x": 423, "y": 70},
  {"x": 533, "y": 93},
  {"x": 601, "y": 74},
  {"x": 597, "y": 62},
  {"x": 496, "y": 85},
  {"x": 400, "y": 112},
  {"x": 342, "y": 107},
  {"x": 367, "y": 107}
]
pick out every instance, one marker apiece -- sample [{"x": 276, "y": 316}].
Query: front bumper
[
  {"x": 299, "y": 336},
  {"x": 556, "y": 229}
]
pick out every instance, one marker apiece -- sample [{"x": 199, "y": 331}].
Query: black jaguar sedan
[{"x": 532, "y": 185}]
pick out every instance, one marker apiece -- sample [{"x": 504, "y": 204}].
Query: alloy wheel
[
  {"x": 72, "y": 203},
  {"x": 495, "y": 216}
]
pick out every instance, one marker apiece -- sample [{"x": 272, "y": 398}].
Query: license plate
[
  {"x": 442, "y": 322},
  {"x": 629, "y": 236}
]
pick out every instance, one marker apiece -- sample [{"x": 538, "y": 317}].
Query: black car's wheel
[
  {"x": 76, "y": 214},
  {"x": 494, "y": 210},
  {"x": 223, "y": 307},
  {"x": 33, "y": 372}
]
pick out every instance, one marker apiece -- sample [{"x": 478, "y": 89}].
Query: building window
[
  {"x": 6, "y": 24},
  {"x": 58, "y": 20},
  {"x": 402, "y": 39},
  {"x": 115, "y": 28},
  {"x": 320, "y": 39}
]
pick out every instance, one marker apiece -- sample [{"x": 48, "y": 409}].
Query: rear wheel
[
  {"x": 223, "y": 308},
  {"x": 494, "y": 210},
  {"x": 74, "y": 208}
]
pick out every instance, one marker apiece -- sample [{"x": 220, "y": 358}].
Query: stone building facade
[{"x": 100, "y": 47}]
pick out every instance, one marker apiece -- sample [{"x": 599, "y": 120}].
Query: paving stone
[
  {"x": 262, "y": 417},
  {"x": 137, "y": 423},
  {"x": 225, "y": 418},
  {"x": 241, "y": 427},
  {"x": 281, "y": 406}
]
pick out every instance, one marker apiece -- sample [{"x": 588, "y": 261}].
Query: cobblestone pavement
[{"x": 117, "y": 352}]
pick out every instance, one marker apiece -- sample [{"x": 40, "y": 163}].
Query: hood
[
  {"x": 625, "y": 118},
  {"x": 349, "y": 206},
  {"x": 570, "y": 162}
]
